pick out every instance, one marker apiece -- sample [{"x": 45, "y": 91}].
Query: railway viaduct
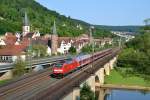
[
  {"x": 95, "y": 80},
  {"x": 92, "y": 74}
]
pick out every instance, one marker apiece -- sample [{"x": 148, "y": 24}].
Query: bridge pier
[
  {"x": 100, "y": 76},
  {"x": 76, "y": 93},
  {"x": 101, "y": 94},
  {"x": 91, "y": 82},
  {"x": 107, "y": 69},
  {"x": 112, "y": 62},
  {"x": 6, "y": 75}
]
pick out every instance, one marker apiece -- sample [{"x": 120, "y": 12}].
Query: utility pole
[
  {"x": 120, "y": 42},
  {"x": 30, "y": 55},
  {"x": 92, "y": 43}
]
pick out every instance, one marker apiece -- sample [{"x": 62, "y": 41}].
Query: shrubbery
[{"x": 136, "y": 55}]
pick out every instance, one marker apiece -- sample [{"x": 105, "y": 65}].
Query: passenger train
[{"x": 62, "y": 68}]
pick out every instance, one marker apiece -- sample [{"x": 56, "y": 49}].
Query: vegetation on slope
[
  {"x": 136, "y": 55},
  {"x": 12, "y": 13}
]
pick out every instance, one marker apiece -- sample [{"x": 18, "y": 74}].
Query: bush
[
  {"x": 136, "y": 55},
  {"x": 19, "y": 68},
  {"x": 87, "y": 49},
  {"x": 72, "y": 50},
  {"x": 86, "y": 93}
]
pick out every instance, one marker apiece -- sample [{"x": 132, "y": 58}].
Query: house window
[
  {"x": 0, "y": 57},
  {"x": 6, "y": 58},
  {"x": 3, "y": 58},
  {"x": 10, "y": 58}
]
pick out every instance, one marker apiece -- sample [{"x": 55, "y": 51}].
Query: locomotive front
[{"x": 58, "y": 69}]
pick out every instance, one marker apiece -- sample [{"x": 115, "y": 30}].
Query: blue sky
[{"x": 102, "y": 12}]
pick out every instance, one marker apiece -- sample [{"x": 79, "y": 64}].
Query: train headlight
[{"x": 58, "y": 70}]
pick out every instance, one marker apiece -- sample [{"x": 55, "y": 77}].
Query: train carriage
[{"x": 64, "y": 67}]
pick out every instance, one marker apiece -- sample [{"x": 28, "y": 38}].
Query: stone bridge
[{"x": 95, "y": 80}]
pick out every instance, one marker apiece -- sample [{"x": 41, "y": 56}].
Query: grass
[
  {"x": 3, "y": 81},
  {"x": 116, "y": 78}
]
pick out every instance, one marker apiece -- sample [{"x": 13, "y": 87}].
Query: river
[{"x": 108, "y": 94}]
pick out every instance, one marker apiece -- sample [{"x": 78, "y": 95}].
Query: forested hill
[
  {"x": 41, "y": 18},
  {"x": 136, "y": 54},
  {"x": 120, "y": 28}
]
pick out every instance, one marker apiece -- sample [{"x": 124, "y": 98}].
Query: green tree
[
  {"x": 19, "y": 68},
  {"x": 136, "y": 54},
  {"x": 72, "y": 50},
  {"x": 86, "y": 93},
  {"x": 87, "y": 49},
  {"x": 39, "y": 50}
]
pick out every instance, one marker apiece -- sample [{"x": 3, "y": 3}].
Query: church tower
[
  {"x": 54, "y": 40},
  {"x": 26, "y": 26}
]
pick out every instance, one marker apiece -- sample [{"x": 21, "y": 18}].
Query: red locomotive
[{"x": 64, "y": 67}]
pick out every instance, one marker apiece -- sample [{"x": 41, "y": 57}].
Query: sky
[{"x": 102, "y": 12}]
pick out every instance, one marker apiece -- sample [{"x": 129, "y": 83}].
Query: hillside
[
  {"x": 41, "y": 18},
  {"x": 120, "y": 28},
  {"x": 136, "y": 54}
]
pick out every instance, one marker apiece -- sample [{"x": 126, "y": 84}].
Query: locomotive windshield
[
  {"x": 59, "y": 65},
  {"x": 69, "y": 61}
]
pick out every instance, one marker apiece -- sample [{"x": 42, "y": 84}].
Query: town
[
  {"x": 74, "y": 50},
  {"x": 15, "y": 45}
]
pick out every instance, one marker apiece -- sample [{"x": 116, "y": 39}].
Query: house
[
  {"x": 2, "y": 42},
  {"x": 64, "y": 43},
  {"x": 102, "y": 41},
  {"x": 10, "y": 53}
]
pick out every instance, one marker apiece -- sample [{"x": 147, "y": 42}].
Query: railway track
[
  {"x": 27, "y": 84},
  {"x": 41, "y": 86},
  {"x": 23, "y": 86}
]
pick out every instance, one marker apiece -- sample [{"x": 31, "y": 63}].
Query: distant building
[
  {"x": 26, "y": 26},
  {"x": 102, "y": 41},
  {"x": 2, "y": 43},
  {"x": 10, "y": 53},
  {"x": 64, "y": 43},
  {"x": 127, "y": 35}
]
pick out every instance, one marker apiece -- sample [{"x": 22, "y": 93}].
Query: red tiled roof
[
  {"x": 10, "y": 39},
  {"x": 29, "y": 35},
  {"x": 11, "y": 50},
  {"x": 25, "y": 42},
  {"x": 9, "y": 34}
]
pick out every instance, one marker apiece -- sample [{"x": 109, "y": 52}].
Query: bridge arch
[{"x": 97, "y": 79}]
